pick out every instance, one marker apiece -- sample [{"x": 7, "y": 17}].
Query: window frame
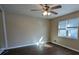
[{"x": 77, "y": 27}]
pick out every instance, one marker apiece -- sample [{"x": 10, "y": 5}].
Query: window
[
  {"x": 68, "y": 28},
  {"x": 62, "y": 29}
]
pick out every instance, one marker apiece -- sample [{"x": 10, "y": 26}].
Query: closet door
[{"x": 1, "y": 32}]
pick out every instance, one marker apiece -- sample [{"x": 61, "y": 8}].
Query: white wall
[
  {"x": 1, "y": 30},
  {"x": 24, "y": 30},
  {"x": 2, "y": 43}
]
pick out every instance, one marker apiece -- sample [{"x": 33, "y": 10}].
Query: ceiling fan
[{"x": 47, "y": 10}]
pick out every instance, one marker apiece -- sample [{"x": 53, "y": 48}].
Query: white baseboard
[
  {"x": 21, "y": 46},
  {"x": 66, "y": 47},
  {"x": 1, "y": 50}
]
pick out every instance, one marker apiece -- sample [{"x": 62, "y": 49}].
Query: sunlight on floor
[{"x": 47, "y": 45}]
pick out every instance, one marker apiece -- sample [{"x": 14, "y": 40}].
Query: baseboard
[
  {"x": 66, "y": 46},
  {"x": 20, "y": 46},
  {"x": 1, "y": 50}
]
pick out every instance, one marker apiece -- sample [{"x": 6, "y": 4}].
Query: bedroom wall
[
  {"x": 1, "y": 30},
  {"x": 2, "y": 42},
  {"x": 24, "y": 30},
  {"x": 74, "y": 44}
]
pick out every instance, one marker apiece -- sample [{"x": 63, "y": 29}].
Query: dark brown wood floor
[{"x": 49, "y": 49}]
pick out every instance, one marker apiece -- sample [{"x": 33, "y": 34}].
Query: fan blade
[
  {"x": 45, "y": 4},
  {"x": 35, "y": 10},
  {"x": 53, "y": 12},
  {"x": 56, "y": 7},
  {"x": 42, "y": 5}
]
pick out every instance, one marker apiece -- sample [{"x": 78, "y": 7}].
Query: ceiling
[{"x": 25, "y": 9}]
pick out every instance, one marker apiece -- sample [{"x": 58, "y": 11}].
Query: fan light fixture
[
  {"x": 47, "y": 9},
  {"x": 45, "y": 13}
]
